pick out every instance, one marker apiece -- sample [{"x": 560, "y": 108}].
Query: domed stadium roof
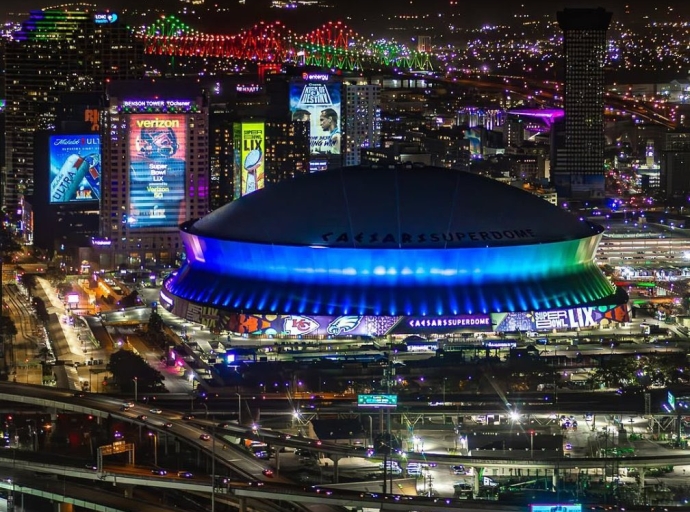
[{"x": 419, "y": 207}]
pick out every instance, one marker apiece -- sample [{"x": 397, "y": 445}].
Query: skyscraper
[
  {"x": 56, "y": 52},
  {"x": 155, "y": 170},
  {"x": 362, "y": 119},
  {"x": 579, "y": 171}
]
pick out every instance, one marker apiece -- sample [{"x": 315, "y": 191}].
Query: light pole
[
  {"x": 155, "y": 448},
  {"x": 136, "y": 388},
  {"x": 239, "y": 409},
  {"x": 531, "y": 444}
]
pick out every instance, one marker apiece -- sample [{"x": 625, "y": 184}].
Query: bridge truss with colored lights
[{"x": 333, "y": 45}]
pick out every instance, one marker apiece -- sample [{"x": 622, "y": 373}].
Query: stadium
[{"x": 366, "y": 251}]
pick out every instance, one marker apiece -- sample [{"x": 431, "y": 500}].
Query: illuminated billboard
[
  {"x": 251, "y": 137},
  {"x": 157, "y": 154},
  {"x": 316, "y": 100},
  {"x": 377, "y": 401},
  {"x": 569, "y": 507},
  {"x": 75, "y": 168},
  {"x": 568, "y": 319},
  {"x": 326, "y": 326}
]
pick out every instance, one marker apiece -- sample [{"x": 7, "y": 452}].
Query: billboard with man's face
[
  {"x": 316, "y": 100},
  {"x": 75, "y": 168},
  {"x": 157, "y": 152}
]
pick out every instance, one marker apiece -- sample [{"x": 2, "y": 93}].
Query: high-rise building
[
  {"x": 362, "y": 119},
  {"x": 155, "y": 170},
  {"x": 579, "y": 171},
  {"x": 56, "y": 52},
  {"x": 675, "y": 164}
]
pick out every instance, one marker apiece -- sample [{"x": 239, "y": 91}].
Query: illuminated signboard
[
  {"x": 101, "y": 242},
  {"x": 248, "y": 88},
  {"x": 671, "y": 401},
  {"x": 318, "y": 102},
  {"x": 148, "y": 105},
  {"x": 157, "y": 153},
  {"x": 414, "y": 324},
  {"x": 568, "y": 319},
  {"x": 75, "y": 168},
  {"x": 101, "y": 18},
  {"x": 237, "y": 161},
  {"x": 251, "y": 157},
  {"x": 570, "y": 507},
  {"x": 333, "y": 326},
  {"x": 377, "y": 401}
]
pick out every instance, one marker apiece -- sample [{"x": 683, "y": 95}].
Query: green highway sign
[{"x": 377, "y": 401}]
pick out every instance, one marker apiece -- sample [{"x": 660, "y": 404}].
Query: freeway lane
[
  {"x": 77, "y": 494},
  {"x": 238, "y": 461}
]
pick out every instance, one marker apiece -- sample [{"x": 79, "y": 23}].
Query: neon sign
[
  {"x": 105, "y": 18},
  {"x": 321, "y": 77}
]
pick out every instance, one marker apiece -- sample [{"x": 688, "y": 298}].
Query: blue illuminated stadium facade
[{"x": 425, "y": 243}]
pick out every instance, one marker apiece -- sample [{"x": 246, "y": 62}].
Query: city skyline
[{"x": 501, "y": 11}]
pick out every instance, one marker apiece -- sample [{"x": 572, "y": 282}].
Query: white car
[{"x": 155, "y": 410}]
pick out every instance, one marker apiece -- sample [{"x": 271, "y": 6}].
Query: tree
[
  {"x": 155, "y": 323},
  {"x": 126, "y": 365},
  {"x": 7, "y": 327},
  {"x": 44, "y": 353}
]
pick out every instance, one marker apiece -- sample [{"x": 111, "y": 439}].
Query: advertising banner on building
[
  {"x": 563, "y": 319},
  {"x": 252, "y": 157},
  {"x": 75, "y": 168},
  {"x": 442, "y": 324},
  {"x": 157, "y": 153},
  {"x": 316, "y": 99},
  {"x": 237, "y": 160}
]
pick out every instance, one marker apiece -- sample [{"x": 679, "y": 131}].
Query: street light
[
  {"x": 239, "y": 409},
  {"x": 136, "y": 388},
  {"x": 531, "y": 444},
  {"x": 155, "y": 448}
]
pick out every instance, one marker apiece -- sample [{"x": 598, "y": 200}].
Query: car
[
  {"x": 167, "y": 424},
  {"x": 458, "y": 469},
  {"x": 184, "y": 474},
  {"x": 79, "y": 394},
  {"x": 223, "y": 425},
  {"x": 568, "y": 446},
  {"x": 127, "y": 405},
  {"x": 142, "y": 417},
  {"x": 187, "y": 416},
  {"x": 155, "y": 410},
  {"x": 92, "y": 467},
  {"x": 204, "y": 437},
  {"x": 159, "y": 472},
  {"x": 268, "y": 472}
]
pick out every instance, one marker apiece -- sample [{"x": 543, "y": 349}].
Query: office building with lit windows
[
  {"x": 54, "y": 52},
  {"x": 361, "y": 120},
  {"x": 155, "y": 170},
  {"x": 579, "y": 167}
]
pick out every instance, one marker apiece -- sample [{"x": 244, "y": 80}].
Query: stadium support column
[
  {"x": 475, "y": 488},
  {"x": 335, "y": 459},
  {"x": 642, "y": 497},
  {"x": 243, "y": 504},
  {"x": 554, "y": 480}
]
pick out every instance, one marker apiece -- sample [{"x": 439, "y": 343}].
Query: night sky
[{"x": 471, "y": 12}]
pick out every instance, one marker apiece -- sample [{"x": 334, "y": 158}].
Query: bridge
[{"x": 332, "y": 45}]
